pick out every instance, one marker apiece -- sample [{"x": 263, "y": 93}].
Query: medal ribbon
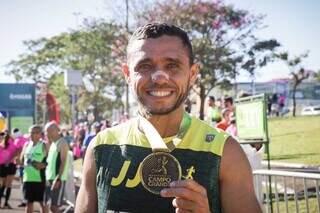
[{"x": 156, "y": 141}]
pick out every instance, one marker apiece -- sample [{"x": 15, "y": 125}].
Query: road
[{"x": 15, "y": 200}]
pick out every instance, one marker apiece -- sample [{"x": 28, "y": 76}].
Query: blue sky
[{"x": 292, "y": 22}]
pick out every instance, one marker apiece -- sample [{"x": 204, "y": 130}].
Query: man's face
[
  {"x": 50, "y": 132},
  {"x": 35, "y": 135},
  {"x": 159, "y": 73},
  {"x": 227, "y": 104},
  {"x": 210, "y": 102}
]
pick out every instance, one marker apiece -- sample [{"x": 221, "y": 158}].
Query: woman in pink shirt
[{"x": 8, "y": 152}]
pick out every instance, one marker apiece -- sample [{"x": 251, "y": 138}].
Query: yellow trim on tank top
[{"x": 199, "y": 137}]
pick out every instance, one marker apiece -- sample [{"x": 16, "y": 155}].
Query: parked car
[{"x": 311, "y": 110}]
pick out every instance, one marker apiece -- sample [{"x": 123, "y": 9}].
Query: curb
[{"x": 290, "y": 165}]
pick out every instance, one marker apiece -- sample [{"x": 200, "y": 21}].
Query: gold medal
[{"x": 158, "y": 170}]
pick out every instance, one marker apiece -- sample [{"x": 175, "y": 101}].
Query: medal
[
  {"x": 160, "y": 167},
  {"x": 158, "y": 170}
]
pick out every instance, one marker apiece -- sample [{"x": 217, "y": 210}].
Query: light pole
[
  {"x": 73, "y": 80},
  {"x": 127, "y": 106}
]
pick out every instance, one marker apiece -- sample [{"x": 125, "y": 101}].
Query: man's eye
[
  {"x": 144, "y": 67},
  {"x": 172, "y": 66}
]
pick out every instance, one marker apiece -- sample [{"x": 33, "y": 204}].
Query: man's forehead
[{"x": 166, "y": 46}]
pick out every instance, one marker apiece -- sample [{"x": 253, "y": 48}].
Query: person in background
[
  {"x": 76, "y": 147},
  {"x": 57, "y": 167},
  {"x": 66, "y": 135},
  {"x": 274, "y": 105},
  {"x": 8, "y": 152},
  {"x": 232, "y": 128},
  {"x": 105, "y": 124},
  {"x": 213, "y": 114},
  {"x": 281, "y": 104},
  {"x": 96, "y": 128},
  {"x": 224, "y": 123},
  {"x": 19, "y": 141},
  {"x": 228, "y": 104},
  {"x": 33, "y": 157}
]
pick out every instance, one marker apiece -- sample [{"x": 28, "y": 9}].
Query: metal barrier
[{"x": 283, "y": 191}]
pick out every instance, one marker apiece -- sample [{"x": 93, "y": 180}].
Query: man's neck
[
  {"x": 55, "y": 139},
  {"x": 169, "y": 124}
]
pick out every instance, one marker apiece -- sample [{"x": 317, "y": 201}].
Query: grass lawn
[
  {"x": 295, "y": 139},
  {"x": 292, "y": 206}
]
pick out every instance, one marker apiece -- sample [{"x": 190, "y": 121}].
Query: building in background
[{"x": 18, "y": 103}]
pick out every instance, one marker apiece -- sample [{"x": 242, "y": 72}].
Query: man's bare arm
[
  {"x": 236, "y": 181},
  {"x": 63, "y": 157},
  {"x": 87, "y": 196}
]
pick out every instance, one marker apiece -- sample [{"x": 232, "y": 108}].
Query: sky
[{"x": 292, "y": 22}]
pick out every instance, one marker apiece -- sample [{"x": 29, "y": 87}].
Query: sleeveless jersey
[
  {"x": 118, "y": 152},
  {"x": 33, "y": 153},
  {"x": 54, "y": 161}
]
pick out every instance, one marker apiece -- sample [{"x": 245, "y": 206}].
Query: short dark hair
[
  {"x": 36, "y": 127},
  {"x": 155, "y": 30},
  {"x": 212, "y": 98},
  {"x": 229, "y": 99}
]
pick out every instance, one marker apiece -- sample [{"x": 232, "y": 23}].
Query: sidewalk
[{"x": 15, "y": 199}]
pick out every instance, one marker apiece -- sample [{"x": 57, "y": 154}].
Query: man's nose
[{"x": 159, "y": 76}]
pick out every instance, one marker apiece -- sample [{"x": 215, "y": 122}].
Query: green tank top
[
  {"x": 119, "y": 151},
  {"x": 54, "y": 162},
  {"x": 33, "y": 153}
]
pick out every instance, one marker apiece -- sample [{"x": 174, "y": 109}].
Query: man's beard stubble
[{"x": 147, "y": 112}]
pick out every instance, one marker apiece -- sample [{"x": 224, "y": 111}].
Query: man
[
  {"x": 96, "y": 128},
  {"x": 228, "y": 104},
  {"x": 213, "y": 115},
  {"x": 160, "y": 72},
  {"x": 33, "y": 157},
  {"x": 57, "y": 168}
]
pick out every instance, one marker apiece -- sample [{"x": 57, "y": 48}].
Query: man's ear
[
  {"x": 194, "y": 70},
  {"x": 126, "y": 72}
]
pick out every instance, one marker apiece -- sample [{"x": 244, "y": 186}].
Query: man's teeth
[{"x": 160, "y": 93}]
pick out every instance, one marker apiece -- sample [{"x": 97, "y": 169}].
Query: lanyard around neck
[{"x": 156, "y": 142}]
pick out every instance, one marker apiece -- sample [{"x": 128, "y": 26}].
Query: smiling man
[{"x": 201, "y": 170}]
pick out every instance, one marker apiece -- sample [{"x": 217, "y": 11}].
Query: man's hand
[
  {"x": 189, "y": 196},
  {"x": 56, "y": 184},
  {"x": 38, "y": 165}
]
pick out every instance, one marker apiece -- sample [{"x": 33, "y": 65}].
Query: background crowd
[{"x": 14, "y": 150}]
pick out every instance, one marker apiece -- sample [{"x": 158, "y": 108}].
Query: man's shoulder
[
  {"x": 62, "y": 142},
  {"x": 203, "y": 137}
]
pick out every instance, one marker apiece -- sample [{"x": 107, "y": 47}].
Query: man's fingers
[
  {"x": 184, "y": 204},
  {"x": 190, "y": 184},
  {"x": 182, "y": 211},
  {"x": 186, "y": 194}
]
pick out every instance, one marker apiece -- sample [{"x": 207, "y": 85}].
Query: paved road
[{"x": 15, "y": 200}]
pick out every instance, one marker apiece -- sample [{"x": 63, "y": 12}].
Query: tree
[
  {"x": 95, "y": 50},
  {"x": 298, "y": 72},
  {"x": 220, "y": 35}
]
